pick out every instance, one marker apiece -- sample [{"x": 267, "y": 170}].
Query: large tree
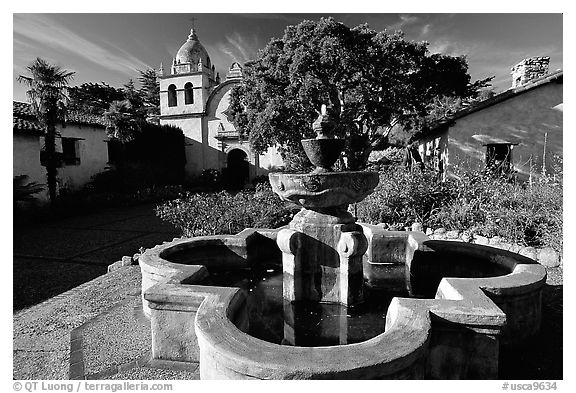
[
  {"x": 94, "y": 98},
  {"x": 47, "y": 93},
  {"x": 150, "y": 90},
  {"x": 374, "y": 80}
]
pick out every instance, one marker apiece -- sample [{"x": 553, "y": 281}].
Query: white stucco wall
[
  {"x": 93, "y": 153},
  {"x": 192, "y": 129},
  {"x": 26, "y": 161},
  {"x": 92, "y": 150},
  {"x": 219, "y": 102},
  {"x": 524, "y": 119},
  {"x": 199, "y": 83}
]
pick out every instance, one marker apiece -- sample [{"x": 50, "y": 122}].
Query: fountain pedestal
[
  {"x": 322, "y": 248},
  {"x": 322, "y": 258}
]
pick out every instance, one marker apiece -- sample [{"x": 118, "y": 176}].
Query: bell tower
[{"x": 185, "y": 89}]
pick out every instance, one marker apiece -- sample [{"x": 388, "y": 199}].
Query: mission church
[{"x": 193, "y": 98}]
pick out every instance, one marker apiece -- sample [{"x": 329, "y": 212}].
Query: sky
[{"x": 111, "y": 47}]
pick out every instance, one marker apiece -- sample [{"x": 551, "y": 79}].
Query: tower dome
[{"x": 193, "y": 52}]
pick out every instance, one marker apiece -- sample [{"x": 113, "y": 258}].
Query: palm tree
[
  {"x": 48, "y": 96},
  {"x": 121, "y": 121}
]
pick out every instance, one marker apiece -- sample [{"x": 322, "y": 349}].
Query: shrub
[
  {"x": 216, "y": 213},
  {"x": 473, "y": 201},
  {"x": 155, "y": 157},
  {"x": 403, "y": 197},
  {"x": 478, "y": 202},
  {"x": 23, "y": 190}
]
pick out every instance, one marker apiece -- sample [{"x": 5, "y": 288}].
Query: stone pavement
[
  {"x": 94, "y": 331},
  {"x": 53, "y": 257}
]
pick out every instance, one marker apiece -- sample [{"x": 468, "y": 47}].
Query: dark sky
[{"x": 111, "y": 47}]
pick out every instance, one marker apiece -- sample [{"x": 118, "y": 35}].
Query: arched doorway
[{"x": 237, "y": 169}]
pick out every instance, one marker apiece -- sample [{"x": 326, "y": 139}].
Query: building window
[
  {"x": 499, "y": 157},
  {"x": 70, "y": 151},
  {"x": 188, "y": 94},
  {"x": 172, "y": 100}
]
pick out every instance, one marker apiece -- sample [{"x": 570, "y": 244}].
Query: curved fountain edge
[
  {"x": 228, "y": 353},
  {"x": 479, "y": 305},
  {"x": 155, "y": 268}
]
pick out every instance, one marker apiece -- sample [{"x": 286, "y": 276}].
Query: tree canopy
[
  {"x": 124, "y": 109},
  {"x": 373, "y": 80},
  {"x": 93, "y": 98}
]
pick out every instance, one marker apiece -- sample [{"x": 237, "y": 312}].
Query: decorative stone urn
[
  {"x": 323, "y": 246},
  {"x": 324, "y": 150}
]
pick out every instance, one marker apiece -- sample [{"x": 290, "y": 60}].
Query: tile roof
[
  {"x": 22, "y": 109},
  {"x": 26, "y": 125},
  {"x": 24, "y": 119}
]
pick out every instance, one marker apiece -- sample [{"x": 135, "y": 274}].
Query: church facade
[{"x": 193, "y": 98}]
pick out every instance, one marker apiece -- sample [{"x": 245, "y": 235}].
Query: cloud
[
  {"x": 227, "y": 51},
  {"x": 239, "y": 47},
  {"x": 405, "y": 20},
  {"x": 288, "y": 18},
  {"x": 47, "y": 32},
  {"x": 425, "y": 30},
  {"x": 449, "y": 47}
]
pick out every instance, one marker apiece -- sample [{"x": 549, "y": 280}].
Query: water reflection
[{"x": 273, "y": 319}]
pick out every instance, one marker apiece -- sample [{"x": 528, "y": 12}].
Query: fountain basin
[
  {"x": 323, "y": 153},
  {"x": 323, "y": 190},
  {"x": 493, "y": 297}
]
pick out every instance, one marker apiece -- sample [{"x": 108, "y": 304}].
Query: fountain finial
[
  {"x": 324, "y": 150},
  {"x": 325, "y": 124}
]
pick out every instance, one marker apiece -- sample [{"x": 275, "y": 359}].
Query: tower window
[
  {"x": 188, "y": 94},
  {"x": 172, "y": 100}
]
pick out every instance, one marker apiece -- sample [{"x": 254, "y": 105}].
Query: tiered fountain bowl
[{"x": 315, "y": 191}]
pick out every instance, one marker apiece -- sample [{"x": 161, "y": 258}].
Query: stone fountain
[
  {"x": 214, "y": 300},
  {"x": 323, "y": 247}
]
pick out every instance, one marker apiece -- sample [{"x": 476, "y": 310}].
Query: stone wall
[
  {"x": 528, "y": 69},
  {"x": 546, "y": 256}
]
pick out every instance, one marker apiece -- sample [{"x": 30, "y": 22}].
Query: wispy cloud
[
  {"x": 47, "y": 32},
  {"x": 239, "y": 47},
  {"x": 288, "y": 18},
  {"x": 405, "y": 20},
  {"x": 425, "y": 31},
  {"x": 451, "y": 47}
]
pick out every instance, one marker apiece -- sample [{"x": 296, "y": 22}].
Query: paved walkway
[{"x": 51, "y": 258}]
